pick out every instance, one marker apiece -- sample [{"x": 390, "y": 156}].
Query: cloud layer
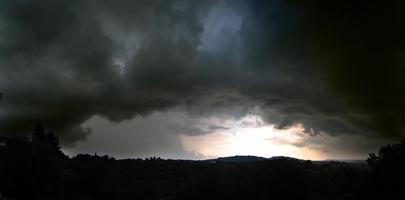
[{"x": 331, "y": 66}]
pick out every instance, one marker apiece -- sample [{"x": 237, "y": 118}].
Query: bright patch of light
[{"x": 251, "y": 136}]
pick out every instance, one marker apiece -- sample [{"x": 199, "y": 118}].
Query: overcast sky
[{"x": 183, "y": 79}]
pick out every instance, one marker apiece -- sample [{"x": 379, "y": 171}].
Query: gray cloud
[
  {"x": 331, "y": 67},
  {"x": 137, "y": 137}
]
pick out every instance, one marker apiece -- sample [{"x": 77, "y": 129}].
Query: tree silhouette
[
  {"x": 37, "y": 169},
  {"x": 52, "y": 139},
  {"x": 38, "y": 133},
  {"x": 389, "y": 170},
  {"x": 390, "y": 157}
]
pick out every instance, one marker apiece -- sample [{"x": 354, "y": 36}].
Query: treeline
[{"x": 35, "y": 168}]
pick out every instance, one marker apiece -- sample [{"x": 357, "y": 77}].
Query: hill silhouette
[
  {"x": 35, "y": 168},
  {"x": 236, "y": 159}
]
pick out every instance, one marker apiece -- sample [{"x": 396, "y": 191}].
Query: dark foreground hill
[{"x": 36, "y": 169}]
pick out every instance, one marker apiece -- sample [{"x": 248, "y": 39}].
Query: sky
[{"x": 205, "y": 78}]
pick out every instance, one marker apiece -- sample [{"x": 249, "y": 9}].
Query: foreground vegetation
[{"x": 35, "y": 168}]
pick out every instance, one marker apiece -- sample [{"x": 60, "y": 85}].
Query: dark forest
[{"x": 35, "y": 168}]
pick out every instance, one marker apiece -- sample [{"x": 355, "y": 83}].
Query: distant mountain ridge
[
  {"x": 237, "y": 159},
  {"x": 249, "y": 158}
]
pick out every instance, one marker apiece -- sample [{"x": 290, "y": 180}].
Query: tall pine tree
[{"x": 38, "y": 133}]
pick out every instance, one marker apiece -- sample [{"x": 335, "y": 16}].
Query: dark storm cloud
[
  {"x": 53, "y": 63},
  {"x": 61, "y": 62},
  {"x": 334, "y": 67},
  {"x": 340, "y": 63},
  {"x": 366, "y": 47}
]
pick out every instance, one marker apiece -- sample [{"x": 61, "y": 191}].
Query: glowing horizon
[{"x": 257, "y": 140}]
